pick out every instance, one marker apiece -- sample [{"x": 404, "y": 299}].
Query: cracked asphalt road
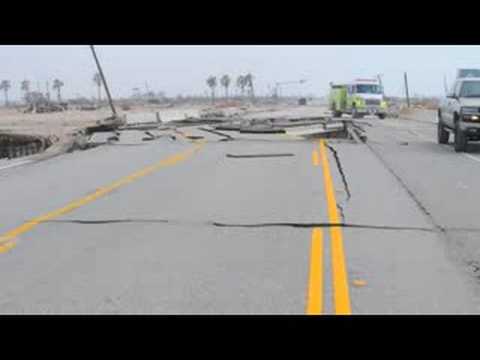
[{"x": 142, "y": 229}]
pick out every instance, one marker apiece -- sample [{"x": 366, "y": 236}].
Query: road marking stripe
[
  {"x": 7, "y": 240},
  {"x": 340, "y": 280},
  {"x": 15, "y": 164},
  {"x": 315, "y": 287},
  {"x": 474, "y": 158},
  {"x": 315, "y": 159}
]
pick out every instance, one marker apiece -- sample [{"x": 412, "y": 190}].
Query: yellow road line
[
  {"x": 7, "y": 240},
  {"x": 339, "y": 272},
  {"x": 315, "y": 159},
  {"x": 315, "y": 287}
]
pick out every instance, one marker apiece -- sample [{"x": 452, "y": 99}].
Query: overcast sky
[{"x": 184, "y": 69}]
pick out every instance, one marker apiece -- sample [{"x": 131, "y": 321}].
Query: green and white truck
[{"x": 358, "y": 98}]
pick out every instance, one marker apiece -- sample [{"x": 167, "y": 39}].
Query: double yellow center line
[{"x": 341, "y": 297}]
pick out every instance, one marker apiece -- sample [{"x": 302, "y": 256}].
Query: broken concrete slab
[{"x": 111, "y": 123}]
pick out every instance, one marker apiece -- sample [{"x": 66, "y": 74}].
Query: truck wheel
[
  {"x": 335, "y": 112},
  {"x": 355, "y": 114},
  {"x": 460, "y": 140},
  {"x": 442, "y": 134},
  {"x": 381, "y": 116}
]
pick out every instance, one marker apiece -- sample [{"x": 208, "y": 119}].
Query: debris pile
[
  {"x": 299, "y": 126},
  {"x": 88, "y": 108},
  {"x": 209, "y": 114},
  {"x": 47, "y": 107},
  {"x": 314, "y": 126}
]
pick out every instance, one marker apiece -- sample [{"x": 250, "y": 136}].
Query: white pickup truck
[{"x": 459, "y": 113}]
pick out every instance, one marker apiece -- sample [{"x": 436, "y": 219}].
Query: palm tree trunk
[
  {"x": 99, "y": 94},
  {"x": 59, "y": 97},
  {"x": 6, "y": 97}
]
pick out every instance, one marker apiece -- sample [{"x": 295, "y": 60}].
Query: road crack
[
  {"x": 259, "y": 155},
  {"x": 242, "y": 225},
  {"x": 338, "y": 162},
  {"x": 402, "y": 183},
  {"x": 340, "y": 170}
]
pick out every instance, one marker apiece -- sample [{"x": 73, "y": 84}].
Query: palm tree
[
  {"x": 25, "y": 87},
  {"x": 225, "y": 81},
  {"x": 97, "y": 79},
  {"x": 212, "y": 84},
  {"x": 5, "y": 86},
  {"x": 241, "y": 83},
  {"x": 249, "y": 83},
  {"x": 57, "y": 85}
]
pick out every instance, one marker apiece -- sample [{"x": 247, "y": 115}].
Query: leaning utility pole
[
  {"x": 406, "y": 89},
  {"x": 103, "y": 80}
]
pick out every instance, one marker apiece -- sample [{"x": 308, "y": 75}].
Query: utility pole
[
  {"x": 103, "y": 80},
  {"x": 48, "y": 92},
  {"x": 406, "y": 89},
  {"x": 379, "y": 76},
  {"x": 445, "y": 83}
]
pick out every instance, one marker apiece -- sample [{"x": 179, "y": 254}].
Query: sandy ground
[{"x": 61, "y": 124}]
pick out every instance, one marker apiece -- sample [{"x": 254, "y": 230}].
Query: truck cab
[{"x": 358, "y": 98}]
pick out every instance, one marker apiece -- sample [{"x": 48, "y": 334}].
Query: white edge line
[
  {"x": 472, "y": 157},
  {"x": 16, "y": 164}
]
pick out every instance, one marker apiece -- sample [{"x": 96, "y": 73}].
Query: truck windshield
[
  {"x": 470, "y": 89},
  {"x": 463, "y": 73},
  {"x": 368, "y": 89}
]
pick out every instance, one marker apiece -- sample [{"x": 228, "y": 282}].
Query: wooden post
[
  {"x": 110, "y": 101},
  {"x": 406, "y": 90}
]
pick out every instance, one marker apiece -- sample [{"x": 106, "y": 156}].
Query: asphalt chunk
[{"x": 225, "y": 137}]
